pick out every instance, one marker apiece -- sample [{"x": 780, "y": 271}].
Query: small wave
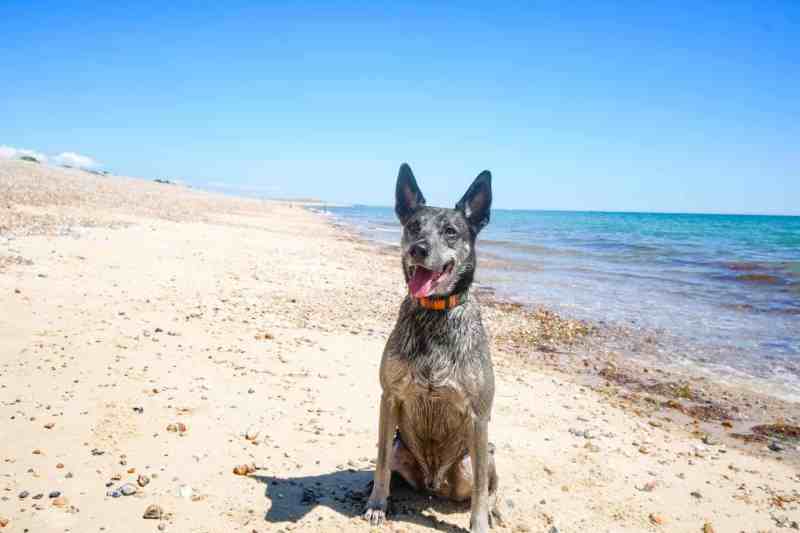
[
  {"x": 385, "y": 229},
  {"x": 527, "y": 247},
  {"x": 744, "y": 266},
  {"x": 606, "y": 245},
  {"x": 778, "y": 310},
  {"x": 791, "y": 268}
]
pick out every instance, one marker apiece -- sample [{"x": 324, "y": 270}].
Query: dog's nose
[{"x": 418, "y": 251}]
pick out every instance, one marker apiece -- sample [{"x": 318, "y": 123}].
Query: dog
[{"x": 436, "y": 372}]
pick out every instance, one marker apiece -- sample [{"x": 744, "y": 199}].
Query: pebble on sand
[
  {"x": 648, "y": 487},
  {"x": 657, "y": 519},
  {"x": 708, "y": 528},
  {"x": 3, "y": 522},
  {"x": 142, "y": 480},
  {"x": 128, "y": 489},
  {"x": 775, "y": 447},
  {"x": 180, "y": 427},
  {"x": 60, "y": 501},
  {"x": 153, "y": 512},
  {"x": 243, "y": 470}
]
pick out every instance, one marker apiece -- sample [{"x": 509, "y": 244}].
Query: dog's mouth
[{"x": 423, "y": 282}]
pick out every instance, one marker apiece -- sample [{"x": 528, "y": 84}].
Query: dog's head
[{"x": 438, "y": 244}]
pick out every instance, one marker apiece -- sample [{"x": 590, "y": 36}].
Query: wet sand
[{"x": 150, "y": 330}]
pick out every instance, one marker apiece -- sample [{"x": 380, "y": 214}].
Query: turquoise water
[{"x": 721, "y": 291}]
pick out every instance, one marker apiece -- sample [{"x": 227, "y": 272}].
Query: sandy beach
[{"x": 155, "y": 339}]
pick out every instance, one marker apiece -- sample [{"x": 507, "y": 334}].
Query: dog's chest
[
  {"x": 432, "y": 370},
  {"x": 434, "y": 419},
  {"x": 422, "y": 388},
  {"x": 437, "y": 413},
  {"x": 435, "y": 396}
]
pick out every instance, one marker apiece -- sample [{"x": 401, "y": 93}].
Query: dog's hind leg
[
  {"x": 405, "y": 464},
  {"x": 459, "y": 479}
]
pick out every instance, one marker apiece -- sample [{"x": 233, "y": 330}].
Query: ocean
[{"x": 721, "y": 292}]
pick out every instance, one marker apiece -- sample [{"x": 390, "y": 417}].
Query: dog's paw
[
  {"x": 479, "y": 524},
  {"x": 375, "y": 513},
  {"x": 496, "y": 517}
]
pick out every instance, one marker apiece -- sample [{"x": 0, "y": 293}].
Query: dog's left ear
[{"x": 477, "y": 201}]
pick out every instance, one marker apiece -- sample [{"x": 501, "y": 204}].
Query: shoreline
[
  {"x": 718, "y": 308},
  {"x": 218, "y": 358},
  {"x": 738, "y": 414}
]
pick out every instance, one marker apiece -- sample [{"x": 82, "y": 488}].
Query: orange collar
[{"x": 442, "y": 303}]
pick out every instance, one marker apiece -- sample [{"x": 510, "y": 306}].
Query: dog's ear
[
  {"x": 477, "y": 201},
  {"x": 408, "y": 197}
]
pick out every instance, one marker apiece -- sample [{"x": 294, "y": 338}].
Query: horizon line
[{"x": 560, "y": 210}]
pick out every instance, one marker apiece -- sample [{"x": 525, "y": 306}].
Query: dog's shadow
[{"x": 345, "y": 492}]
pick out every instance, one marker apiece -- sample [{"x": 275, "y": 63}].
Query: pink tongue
[{"x": 421, "y": 284}]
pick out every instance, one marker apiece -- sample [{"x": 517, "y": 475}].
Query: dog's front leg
[
  {"x": 376, "y": 505},
  {"x": 479, "y": 455}
]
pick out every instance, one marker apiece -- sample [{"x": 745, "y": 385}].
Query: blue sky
[{"x": 664, "y": 106}]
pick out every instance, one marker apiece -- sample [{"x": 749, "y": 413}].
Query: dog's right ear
[{"x": 407, "y": 196}]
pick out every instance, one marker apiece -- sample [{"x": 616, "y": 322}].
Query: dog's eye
[{"x": 450, "y": 231}]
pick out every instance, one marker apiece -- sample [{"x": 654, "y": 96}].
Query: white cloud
[
  {"x": 75, "y": 160},
  {"x": 9, "y": 152},
  {"x": 64, "y": 158}
]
